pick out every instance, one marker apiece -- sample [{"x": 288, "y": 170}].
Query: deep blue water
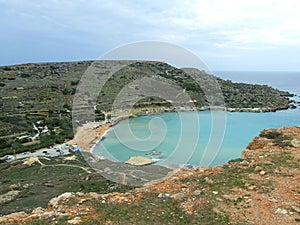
[
  {"x": 286, "y": 81},
  {"x": 199, "y": 138}
]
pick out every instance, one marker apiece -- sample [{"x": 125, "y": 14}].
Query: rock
[
  {"x": 14, "y": 186},
  {"x": 38, "y": 210},
  {"x": 266, "y": 162},
  {"x": 273, "y": 200},
  {"x": 47, "y": 214},
  {"x": 9, "y": 196},
  {"x": 13, "y": 217},
  {"x": 249, "y": 201},
  {"x": 258, "y": 169},
  {"x": 208, "y": 180},
  {"x": 295, "y": 143},
  {"x": 229, "y": 197},
  {"x": 27, "y": 185},
  {"x": 244, "y": 163},
  {"x": 49, "y": 184},
  {"x": 262, "y": 173},
  {"x": 163, "y": 195},
  {"x": 251, "y": 187},
  {"x": 197, "y": 192},
  {"x": 215, "y": 192},
  {"x": 55, "y": 201},
  {"x": 178, "y": 196},
  {"x": 185, "y": 189},
  {"x": 281, "y": 211},
  {"x": 93, "y": 195},
  {"x": 79, "y": 194},
  {"x": 75, "y": 220},
  {"x": 188, "y": 166},
  {"x": 295, "y": 209}
]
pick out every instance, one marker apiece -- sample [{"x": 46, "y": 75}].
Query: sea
[{"x": 206, "y": 138}]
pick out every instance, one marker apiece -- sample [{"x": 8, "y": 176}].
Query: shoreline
[
  {"x": 90, "y": 134},
  {"x": 103, "y": 130}
]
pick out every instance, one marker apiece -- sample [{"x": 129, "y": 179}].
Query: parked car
[{"x": 9, "y": 157}]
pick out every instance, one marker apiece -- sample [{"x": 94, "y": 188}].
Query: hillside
[
  {"x": 262, "y": 188},
  {"x": 41, "y": 95}
]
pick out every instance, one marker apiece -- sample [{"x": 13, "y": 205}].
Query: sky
[{"x": 226, "y": 35}]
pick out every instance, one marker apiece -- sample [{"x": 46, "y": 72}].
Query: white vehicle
[{"x": 9, "y": 157}]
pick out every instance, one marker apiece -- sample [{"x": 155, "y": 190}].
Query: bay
[{"x": 206, "y": 138}]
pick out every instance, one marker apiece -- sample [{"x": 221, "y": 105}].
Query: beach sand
[{"x": 89, "y": 134}]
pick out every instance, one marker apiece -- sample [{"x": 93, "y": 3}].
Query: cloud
[
  {"x": 232, "y": 22},
  {"x": 236, "y": 23},
  {"x": 216, "y": 27}
]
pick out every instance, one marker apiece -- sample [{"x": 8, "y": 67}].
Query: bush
[
  {"x": 7, "y": 68},
  {"x": 25, "y": 75},
  {"x": 75, "y": 82},
  {"x": 5, "y": 142},
  {"x": 66, "y": 106}
]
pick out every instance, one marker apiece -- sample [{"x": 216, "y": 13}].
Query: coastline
[
  {"x": 90, "y": 134},
  {"x": 101, "y": 132}
]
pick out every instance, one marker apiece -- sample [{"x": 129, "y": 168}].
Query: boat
[{"x": 153, "y": 152}]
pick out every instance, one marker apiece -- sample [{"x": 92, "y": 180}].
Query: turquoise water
[
  {"x": 200, "y": 138},
  {"x": 190, "y": 137}
]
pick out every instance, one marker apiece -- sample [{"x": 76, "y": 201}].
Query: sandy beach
[{"x": 89, "y": 134}]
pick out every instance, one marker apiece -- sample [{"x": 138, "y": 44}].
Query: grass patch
[
  {"x": 222, "y": 182},
  {"x": 38, "y": 184},
  {"x": 153, "y": 210}
]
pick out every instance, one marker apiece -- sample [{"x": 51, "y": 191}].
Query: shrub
[{"x": 75, "y": 82}]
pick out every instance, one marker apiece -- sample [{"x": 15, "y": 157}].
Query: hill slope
[{"x": 44, "y": 92}]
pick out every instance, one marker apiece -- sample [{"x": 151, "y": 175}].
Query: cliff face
[{"x": 262, "y": 187}]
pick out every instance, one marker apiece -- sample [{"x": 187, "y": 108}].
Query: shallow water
[{"x": 190, "y": 137}]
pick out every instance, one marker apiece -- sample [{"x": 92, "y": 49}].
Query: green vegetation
[
  {"x": 39, "y": 183},
  {"x": 61, "y": 130},
  {"x": 278, "y": 138},
  {"x": 153, "y": 210},
  {"x": 45, "y": 92},
  {"x": 221, "y": 182}
]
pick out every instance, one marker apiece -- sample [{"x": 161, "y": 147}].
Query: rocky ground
[{"x": 262, "y": 187}]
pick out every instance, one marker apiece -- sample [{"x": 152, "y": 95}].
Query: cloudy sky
[{"x": 226, "y": 35}]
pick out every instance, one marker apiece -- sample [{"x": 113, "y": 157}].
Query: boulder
[
  {"x": 178, "y": 196},
  {"x": 8, "y": 196},
  {"x": 55, "y": 201},
  {"x": 295, "y": 143},
  {"x": 75, "y": 220},
  {"x": 281, "y": 211}
]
